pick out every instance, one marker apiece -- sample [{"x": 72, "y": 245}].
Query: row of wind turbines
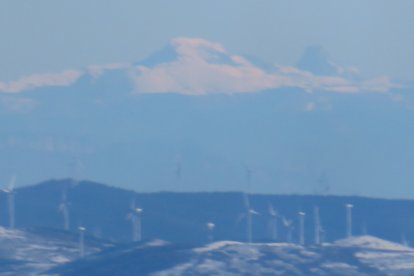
[
  {"x": 319, "y": 232},
  {"x": 135, "y": 216},
  {"x": 274, "y": 217},
  {"x": 63, "y": 208}
]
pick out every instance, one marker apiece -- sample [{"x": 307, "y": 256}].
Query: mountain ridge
[
  {"x": 234, "y": 258},
  {"x": 182, "y": 217}
]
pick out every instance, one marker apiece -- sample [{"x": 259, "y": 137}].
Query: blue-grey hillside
[
  {"x": 33, "y": 251},
  {"x": 360, "y": 256},
  {"x": 183, "y": 217}
]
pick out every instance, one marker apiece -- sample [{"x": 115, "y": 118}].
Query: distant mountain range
[{"x": 193, "y": 117}]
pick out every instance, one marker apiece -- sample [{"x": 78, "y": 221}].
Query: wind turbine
[
  {"x": 301, "y": 228},
  {"x": 76, "y": 167},
  {"x": 64, "y": 209},
  {"x": 10, "y": 201},
  {"x": 250, "y": 212},
  {"x": 364, "y": 229},
  {"x": 135, "y": 217},
  {"x": 81, "y": 241},
  {"x": 178, "y": 170},
  {"x": 348, "y": 208},
  {"x": 272, "y": 222},
  {"x": 289, "y": 228},
  {"x": 323, "y": 234},
  {"x": 317, "y": 222},
  {"x": 210, "y": 229},
  {"x": 248, "y": 171},
  {"x": 404, "y": 240}
]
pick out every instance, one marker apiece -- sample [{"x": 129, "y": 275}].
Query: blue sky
[{"x": 49, "y": 36}]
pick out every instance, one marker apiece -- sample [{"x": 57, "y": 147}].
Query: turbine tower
[
  {"x": 81, "y": 241},
  {"x": 348, "y": 208},
  {"x": 250, "y": 212},
  {"x": 64, "y": 209},
  {"x": 210, "y": 229},
  {"x": 138, "y": 224},
  {"x": 289, "y": 228},
  {"x": 301, "y": 228},
  {"x": 317, "y": 222},
  {"x": 10, "y": 201},
  {"x": 248, "y": 178},
  {"x": 135, "y": 217},
  {"x": 404, "y": 240},
  {"x": 178, "y": 176},
  {"x": 272, "y": 223},
  {"x": 77, "y": 166}
]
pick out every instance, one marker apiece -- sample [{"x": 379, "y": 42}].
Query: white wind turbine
[
  {"x": 249, "y": 213},
  {"x": 64, "y": 209},
  {"x": 248, "y": 171},
  {"x": 364, "y": 229},
  {"x": 289, "y": 228},
  {"x": 76, "y": 167},
  {"x": 348, "y": 208},
  {"x": 301, "y": 228},
  {"x": 10, "y": 201},
  {"x": 135, "y": 217},
  {"x": 404, "y": 240},
  {"x": 210, "y": 229},
  {"x": 178, "y": 170},
  {"x": 323, "y": 234},
  {"x": 81, "y": 241},
  {"x": 76, "y": 170},
  {"x": 273, "y": 222},
  {"x": 317, "y": 223}
]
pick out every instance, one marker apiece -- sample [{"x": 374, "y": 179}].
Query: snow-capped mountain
[
  {"x": 32, "y": 252},
  {"x": 198, "y": 107},
  {"x": 364, "y": 255},
  {"x": 194, "y": 66}
]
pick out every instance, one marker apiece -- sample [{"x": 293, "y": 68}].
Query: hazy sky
[
  {"x": 45, "y": 36},
  {"x": 48, "y": 35}
]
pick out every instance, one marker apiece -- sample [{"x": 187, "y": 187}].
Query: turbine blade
[
  {"x": 132, "y": 204},
  {"x": 286, "y": 222},
  {"x": 254, "y": 212},
  {"x": 12, "y": 182},
  {"x": 246, "y": 201},
  {"x": 272, "y": 210},
  {"x": 240, "y": 217}
]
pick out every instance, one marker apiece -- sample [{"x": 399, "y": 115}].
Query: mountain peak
[
  {"x": 189, "y": 49},
  {"x": 187, "y": 42},
  {"x": 196, "y": 66}
]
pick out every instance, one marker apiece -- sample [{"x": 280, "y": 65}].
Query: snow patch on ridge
[
  {"x": 371, "y": 242},
  {"x": 64, "y": 78},
  {"x": 201, "y": 67}
]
